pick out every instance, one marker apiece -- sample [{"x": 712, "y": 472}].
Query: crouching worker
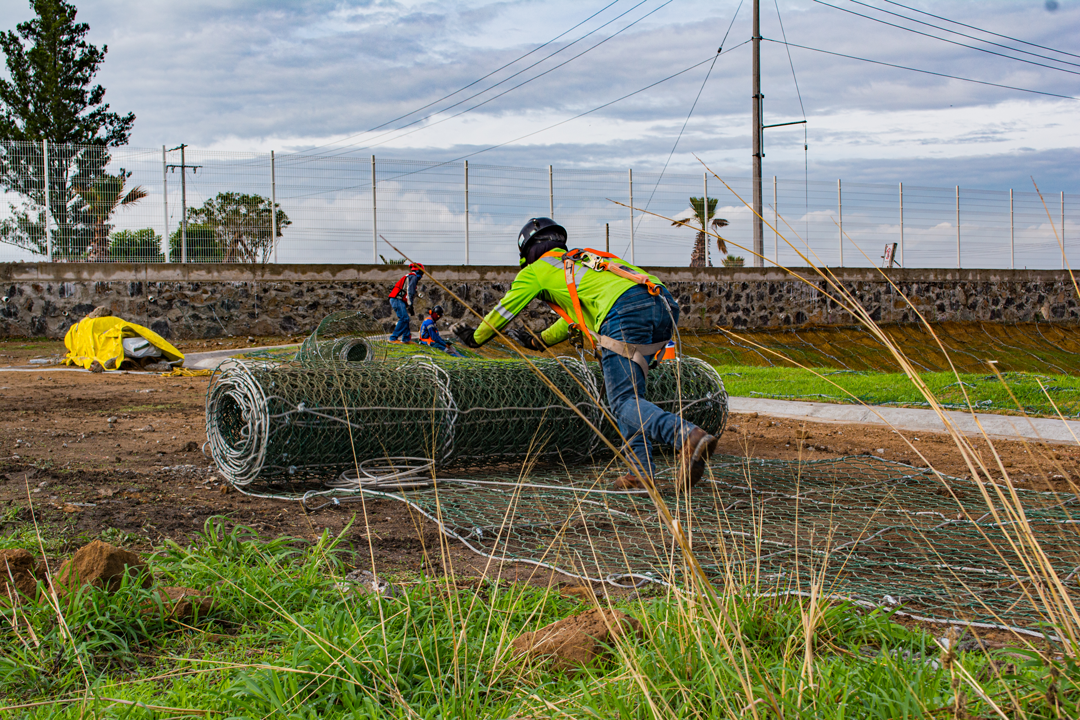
[
  {"x": 429, "y": 332},
  {"x": 623, "y": 310},
  {"x": 401, "y": 302}
]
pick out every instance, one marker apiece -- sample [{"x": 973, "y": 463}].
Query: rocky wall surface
[{"x": 203, "y": 301}]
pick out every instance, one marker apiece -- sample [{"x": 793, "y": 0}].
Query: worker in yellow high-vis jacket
[{"x": 620, "y": 309}]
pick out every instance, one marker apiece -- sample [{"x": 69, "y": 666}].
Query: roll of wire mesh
[
  {"x": 297, "y": 423},
  {"x": 345, "y": 336}
]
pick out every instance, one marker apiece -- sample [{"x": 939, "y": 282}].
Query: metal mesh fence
[{"x": 79, "y": 203}]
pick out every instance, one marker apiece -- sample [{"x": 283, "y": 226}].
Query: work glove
[
  {"x": 411, "y": 311},
  {"x": 526, "y": 340},
  {"x": 465, "y": 335}
]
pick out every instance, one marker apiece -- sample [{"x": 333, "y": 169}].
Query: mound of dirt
[
  {"x": 101, "y": 565},
  {"x": 18, "y": 575},
  {"x": 576, "y": 641}
]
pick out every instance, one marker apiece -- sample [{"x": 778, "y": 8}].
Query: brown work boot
[
  {"x": 629, "y": 481},
  {"x": 694, "y": 454}
]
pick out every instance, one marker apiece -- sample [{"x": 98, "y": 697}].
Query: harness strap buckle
[{"x": 640, "y": 354}]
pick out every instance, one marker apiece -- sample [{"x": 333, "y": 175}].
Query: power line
[
  {"x": 515, "y": 87},
  {"x": 925, "y": 72},
  {"x": 988, "y": 32},
  {"x": 549, "y": 127},
  {"x": 945, "y": 40},
  {"x": 694, "y": 105},
  {"x": 806, "y": 142},
  {"x": 790, "y": 61},
  {"x": 605, "y": 105},
  {"x": 474, "y": 82},
  {"x": 511, "y": 77},
  {"x": 970, "y": 37}
]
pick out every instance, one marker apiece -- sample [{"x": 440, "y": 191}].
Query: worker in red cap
[{"x": 401, "y": 301}]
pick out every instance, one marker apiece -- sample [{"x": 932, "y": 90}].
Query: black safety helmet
[
  {"x": 535, "y": 230},
  {"x": 437, "y": 310}
]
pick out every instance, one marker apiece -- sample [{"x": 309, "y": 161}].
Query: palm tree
[
  {"x": 699, "y": 258},
  {"x": 101, "y": 197}
]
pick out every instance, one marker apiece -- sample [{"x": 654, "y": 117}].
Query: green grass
[
  {"x": 286, "y": 641},
  {"x": 984, "y": 391}
]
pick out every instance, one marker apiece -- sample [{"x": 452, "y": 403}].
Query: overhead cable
[
  {"x": 945, "y": 40},
  {"x": 925, "y": 72},
  {"x": 549, "y": 127},
  {"x": 515, "y": 87},
  {"x": 806, "y": 140},
  {"x": 474, "y": 82},
  {"x": 982, "y": 30},
  {"x": 970, "y": 37},
  {"x": 692, "y": 107},
  {"x": 587, "y": 112}
]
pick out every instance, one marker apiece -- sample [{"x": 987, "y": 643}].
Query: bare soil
[{"x": 118, "y": 455}]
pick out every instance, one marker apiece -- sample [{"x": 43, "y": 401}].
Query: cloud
[{"x": 245, "y": 75}]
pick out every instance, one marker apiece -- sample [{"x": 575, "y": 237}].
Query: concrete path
[
  {"x": 1006, "y": 427},
  {"x": 196, "y": 361},
  {"x": 213, "y": 358}
]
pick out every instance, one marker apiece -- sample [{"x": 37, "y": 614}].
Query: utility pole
[
  {"x": 183, "y": 197},
  {"x": 759, "y": 232}
]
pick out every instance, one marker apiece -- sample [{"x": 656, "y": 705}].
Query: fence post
[
  {"x": 632, "y": 260},
  {"x": 1012, "y": 234},
  {"x": 466, "y": 212},
  {"x": 957, "y": 227},
  {"x": 902, "y": 225},
  {"x": 183, "y": 206},
  {"x": 48, "y": 207},
  {"x": 374, "y": 219},
  {"x": 607, "y": 237},
  {"x": 775, "y": 225},
  {"x": 840, "y": 212},
  {"x": 165, "y": 199},
  {"x": 551, "y": 193},
  {"x": 273, "y": 205},
  {"x": 1062, "y": 229}
]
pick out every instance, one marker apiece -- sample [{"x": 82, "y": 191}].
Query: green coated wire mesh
[
  {"x": 342, "y": 337},
  {"x": 293, "y": 422},
  {"x": 521, "y": 478},
  {"x": 868, "y": 529}
]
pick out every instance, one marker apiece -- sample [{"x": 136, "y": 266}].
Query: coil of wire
[{"x": 288, "y": 422}]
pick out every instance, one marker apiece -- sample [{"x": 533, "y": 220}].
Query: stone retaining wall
[{"x": 199, "y": 301}]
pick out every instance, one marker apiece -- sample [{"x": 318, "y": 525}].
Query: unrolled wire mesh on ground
[
  {"x": 306, "y": 424},
  {"x": 870, "y": 530},
  {"x": 874, "y": 531}
]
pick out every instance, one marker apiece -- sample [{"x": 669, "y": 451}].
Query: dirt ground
[{"x": 119, "y": 455}]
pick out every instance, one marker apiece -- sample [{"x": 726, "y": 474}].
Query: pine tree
[{"x": 50, "y": 97}]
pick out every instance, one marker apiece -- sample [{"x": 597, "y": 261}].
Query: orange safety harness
[{"x": 602, "y": 262}]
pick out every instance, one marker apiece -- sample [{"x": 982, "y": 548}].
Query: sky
[
  {"x": 296, "y": 76},
  {"x": 606, "y": 87}
]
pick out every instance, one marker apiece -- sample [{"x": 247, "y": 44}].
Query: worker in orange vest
[{"x": 401, "y": 301}]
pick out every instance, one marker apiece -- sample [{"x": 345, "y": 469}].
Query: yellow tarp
[{"x": 102, "y": 339}]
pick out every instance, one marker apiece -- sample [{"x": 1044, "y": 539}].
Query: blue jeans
[
  {"x": 401, "y": 330},
  {"x": 639, "y": 318}
]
